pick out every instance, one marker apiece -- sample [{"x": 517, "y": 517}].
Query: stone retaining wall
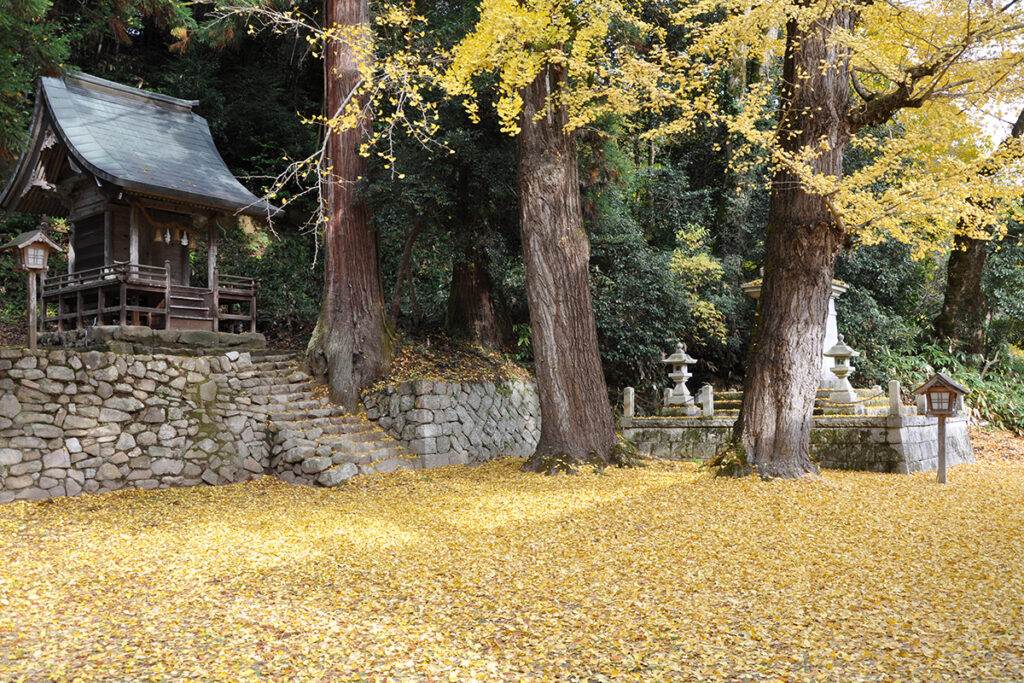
[
  {"x": 899, "y": 444},
  {"x": 143, "y": 339},
  {"x": 459, "y": 423},
  {"x": 97, "y": 421}
]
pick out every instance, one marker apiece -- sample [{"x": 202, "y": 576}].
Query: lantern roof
[
  {"x": 680, "y": 356},
  {"x": 942, "y": 380},
  {"x": 841, "y": 350},
  {"x": 27, "y": 239}
]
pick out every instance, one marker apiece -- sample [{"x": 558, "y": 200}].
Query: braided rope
[{"x": 850, "y": 403}]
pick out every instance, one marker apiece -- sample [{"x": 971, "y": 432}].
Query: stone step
[
  {"x": 338, "y": 422},
  {"x": 296, "y": 430},
  {"x": 369, "y": 457},
  {"x": 296, "y": 414},
  {"x": 344, "y": 445},
  {"x": 265, "y": 367},
  {"x": 283, "y": 388},
  {"x": 298, "y": 400},
  {"x": 274, "y": 355},
  {"x": 299, "y": 403}
]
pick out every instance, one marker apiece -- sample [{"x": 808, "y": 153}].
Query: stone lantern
[
  {"x": 31, "y": 251},
  {"x": 678, "y": 363},
  {"x": 943, "y": 395},
  {"x": 841, "y": 353}
]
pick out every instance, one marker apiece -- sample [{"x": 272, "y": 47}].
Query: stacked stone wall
[
  {"x": 96, "y": 421},
  {"x": 459, "y": 423},
  {"x": 899, "y": 444}
]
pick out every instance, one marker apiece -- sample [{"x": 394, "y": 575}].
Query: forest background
[{"x": 674, "y": 230}]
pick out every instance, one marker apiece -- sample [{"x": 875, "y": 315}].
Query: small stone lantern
[
  {"x": 943, "y": 395},
  {"x": 841, "y": 353},
  {"x": 31, "y": 251},
  {"x": 679, "y": 395}
]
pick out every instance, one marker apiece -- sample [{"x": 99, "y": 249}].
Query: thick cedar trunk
[
  {"x": 352, "y": 341},
  {"x": 964, "y": 308},
  {"x": 576, "y": 418},
  {"x": 473, "y": 311},
  {"x": 802, "y": 242}
]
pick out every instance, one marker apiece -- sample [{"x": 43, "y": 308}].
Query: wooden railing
[
  {"x": 130, "y": 272},
  {"x": 236, "y": 283},
  {"x": 239, "y": 291}
]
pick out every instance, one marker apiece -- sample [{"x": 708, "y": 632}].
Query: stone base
[
  {"x": 142, "y": 339},
  {"x": 897, "y": 444}
]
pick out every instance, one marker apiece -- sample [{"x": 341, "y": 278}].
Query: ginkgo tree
[
  {"x": 849, "y": 68},
  {"x": 559, "y": 63}
]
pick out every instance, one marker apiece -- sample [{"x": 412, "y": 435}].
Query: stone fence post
[
  {"x": 895, "y": 404},
  {"x": 706, "y": 398}
]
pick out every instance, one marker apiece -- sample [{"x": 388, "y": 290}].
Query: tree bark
[
  {"x": 964, "y": 307},
  {"x": 803, "y": 240},
  {"x": 474, "y": 313},
  {"x": 576, "y": 418},
  {"x": 403, "y": 271},
  {"x": 351, "y": 344}
]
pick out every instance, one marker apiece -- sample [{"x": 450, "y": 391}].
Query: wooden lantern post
[
  {"x": 943, "y": 394},
  {"x": 31, "y": 251}
]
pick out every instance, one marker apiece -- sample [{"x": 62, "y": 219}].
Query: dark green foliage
[
  {"x": 997, "y": 389},
  {"x": 12, "y": 283},
  {"x": 31, "y": 44},
  {"x": 889, "y": 306}
]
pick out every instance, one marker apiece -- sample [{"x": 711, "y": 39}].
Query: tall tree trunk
[
  {"x": 803, "y": 240},
  {"x": 576, "y": 418},
  {"x": 474, "y": 312},
  {"x": 403, "y": 271},
  {"x": 351, "y": 344},
  {"x": 964, "y": 307}
]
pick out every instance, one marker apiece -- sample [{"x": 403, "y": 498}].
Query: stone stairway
[{"x": 313, "y": 441}]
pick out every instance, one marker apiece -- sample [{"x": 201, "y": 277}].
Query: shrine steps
[{"x": 312, "y": 440}]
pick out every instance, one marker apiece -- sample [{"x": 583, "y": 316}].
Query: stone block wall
[
  {"x": 96, "y": 421},
  {"x": 895, "y": 443},
  {"x": 459, "y": 423}
]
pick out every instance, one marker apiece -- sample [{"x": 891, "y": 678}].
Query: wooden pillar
[
  {"x": 79, "y": 304},
  {"x": 167, "y": 296},
  {"x": 213, "y": 280},
  {"x": 32, "y": 304},
  {"x": 71, "y": 250},
  {"x": 252, "y": 310},
  {"x": 100, "y": 303},
  {"x": 133, "y": 240},
  {"x": 941, "y": 474},
  {"x": 124, "y": 303},
  {"x": 60, "y": 312},
  {"x": 108, "y": 239},
  {"x": 211, "y": 258}
]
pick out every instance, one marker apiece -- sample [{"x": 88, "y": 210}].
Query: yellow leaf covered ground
[{"x": 657, "y": 573}]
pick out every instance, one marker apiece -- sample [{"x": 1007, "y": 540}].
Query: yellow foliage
[
  {"x": 656, "y": 573},
  {"x": 931, "y": 167},
  {"x": 518, "y": 39}
]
